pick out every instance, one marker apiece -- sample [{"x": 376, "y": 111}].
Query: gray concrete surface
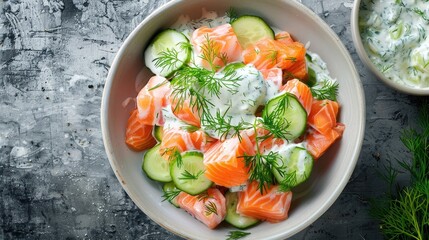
[{"x": 56, "y": 182}]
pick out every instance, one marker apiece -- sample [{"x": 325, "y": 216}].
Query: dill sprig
[
  {"x": 169, "y": 59},
  {"x": 189, "y": 176},
  {"x": 261, "y": 166},
  {"x": 173, "y": 155},
  {"x": 190, "y": 128},
  {"x": 231, "y": 14},
  {"x": 403, "y": 214},
  {"x": 273, "y": 119},
  {"x": 210, "y": 51},
  {"x": 325, "y": 90},
  {"x": 210, "y": 208},
  {"x": 233, "y": 235},
  {"x": 221, "y": 124},
  {"x": 196, "y": 83},
  {"x": 170, "y": 195},
  {"x": 159, "y": 85},
  {"x": 421, "y": 13},
  {"x": 288, "y": 182}
]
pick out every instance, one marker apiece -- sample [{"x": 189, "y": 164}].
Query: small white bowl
[
  {"x": 357, "y": 40},
  {"x": 331, "y": 173}
]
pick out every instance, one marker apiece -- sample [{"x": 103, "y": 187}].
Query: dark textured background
[{"x": 56, "y": 182}]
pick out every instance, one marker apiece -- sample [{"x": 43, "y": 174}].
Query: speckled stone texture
[{"x": 56, "y": 182}]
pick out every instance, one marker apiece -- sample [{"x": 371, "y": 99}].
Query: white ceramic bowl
[
  {"x": 357, "y": 40},
  {"x": 331, "y": 172}
]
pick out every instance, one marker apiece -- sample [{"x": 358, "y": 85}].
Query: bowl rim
[
  {"x": 343, "y": 180},
  {"x": 357, "y": 40}
]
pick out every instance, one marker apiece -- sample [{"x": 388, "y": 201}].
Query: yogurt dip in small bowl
[{"x": 391, "y": 38}]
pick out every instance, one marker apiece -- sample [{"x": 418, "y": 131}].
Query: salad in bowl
[
  {"x": 233, "y": 117},
  {"x": 234, "y": 124}
]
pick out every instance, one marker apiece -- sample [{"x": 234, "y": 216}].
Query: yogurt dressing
[{"x": 394, "y": 33}]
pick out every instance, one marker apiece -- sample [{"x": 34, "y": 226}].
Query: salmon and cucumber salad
[{"x": 234, "y": 118}]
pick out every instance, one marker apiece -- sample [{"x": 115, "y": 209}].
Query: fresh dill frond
[
  {"x": 210, "y": 208},
  {"x": 233, "y": 235},
  {"x": 189, "y": 176},
  {"x": 158, "y": 85},
  {"x": 231, "y": 14},
  {"x": 261, "y": 168},
  {"x": 173, "y": 155},
  {"x": 325, "y": 90},
  {"x": 221, "y": 124},
  {"x": 405, "y": 217},
  {"x": 203, "y": 196},
  {"x": 272, "y": 55},
  {"x": 213, "y": 83},
  {"x": 421, "y": 13},
  {"x": 190, "y": 128},
  {"x": 273, "y": 119},
  {"x": 170, "y": 195},
  {"x": 224, "y": 58},
  {"x": 209, "y": 52},
  {"x": 169, "y": 59},
  {"x": 196, "y": 84},
  {"x": 404, "y": 214},
  {"x": 289, "y": 181}
]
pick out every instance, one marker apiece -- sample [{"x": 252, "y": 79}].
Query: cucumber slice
[
  {"x": 250, "y": 29},
  {"x": 232, "y": 217},
  {"x": 158, "y": 133},
  {"x": 156, "y": 167},
  {"x": 188, "y": 173},
  {"x": 167, "y": 41},
  {"x": 171, "y": 190},
  {"x": 289, "y": 107},
  {"x": 297, "y": 165}
]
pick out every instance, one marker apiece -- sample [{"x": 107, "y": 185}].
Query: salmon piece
[
  {"x": 323, "y": 116},
  {"x": 269, "y": 143},
  {"x": 297, "y": 70},
  {"x": 317, "y": 143},
  {"x": 218, "y": 45},
  {"x": 224, "y": 161},
  {"x": 272, "y": 206},
  {"x": 284, "y": 37},
  {"x": 185, "y": 112},
  {"x": 275, "y": 75},
  {"x": 301, "y": 91},
  {"x": 151, "y": 99},
  {"x": 177, "y": 139},
  {"x": 138, "y": 136},
  {"x": 268, "y": 53},
  {"x": 210, "y": 209}
]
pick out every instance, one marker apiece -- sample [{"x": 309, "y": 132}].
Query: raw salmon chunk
[
  {"x": 185, "y": 112},
  {"x": 210, "y": 209},
  {"x": 317, "y": 143},
  {"x": 297, "y": 70},
  {"x": 272, "y": 206},
  {"x": 284, "y": 37},
  {"x": 323, "y": 116},
  {"x": 268, "y": 53},
  {"x": 150, "y": 100},
  {"x": 301, "y": 91},
  {"x": 224, "y": 161},
  {"x": 138, "y": 136},
  {"x": 181, "y": 140},
  {"x": 215, "y": 47}
]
